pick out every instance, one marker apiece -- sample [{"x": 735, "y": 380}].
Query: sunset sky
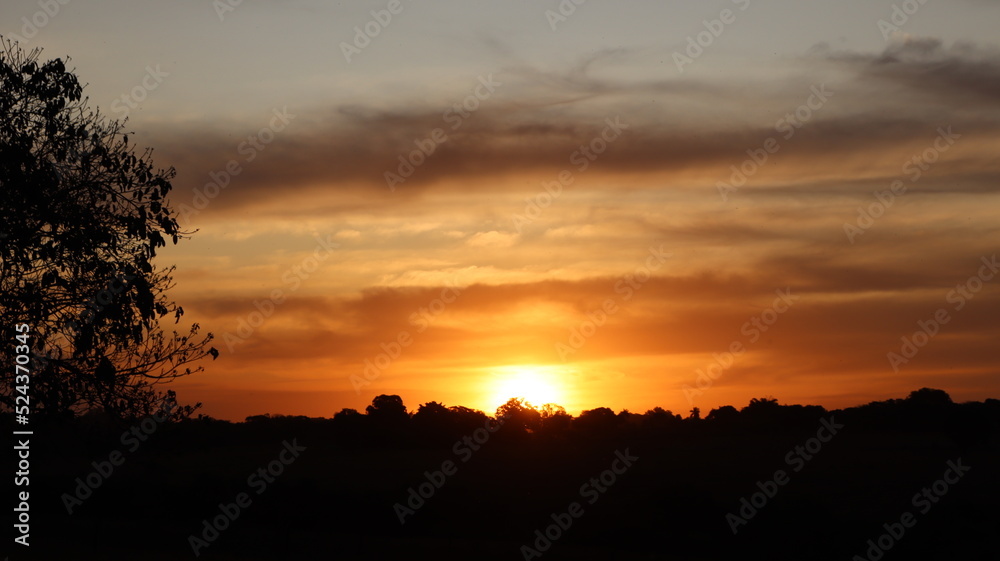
[{"x": 578, "y": 234}]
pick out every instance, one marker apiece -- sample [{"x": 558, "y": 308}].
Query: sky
[{"x": 631, "y": 205}]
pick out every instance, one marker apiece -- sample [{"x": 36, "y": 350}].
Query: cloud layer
[{"x": 642, "y": 161}]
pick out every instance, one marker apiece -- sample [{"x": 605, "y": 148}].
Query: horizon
[{"x": 411, "y": 410}]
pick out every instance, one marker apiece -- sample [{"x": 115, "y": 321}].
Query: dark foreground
[{"x": 917, "y": 477}]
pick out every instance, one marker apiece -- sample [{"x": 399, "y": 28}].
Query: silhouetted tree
[
  {"x": 431, "y": 410},
  {"x": 929, "y": 397},
  {"x": 599, "y": 420},
  {"x": 83, "y": 216},
  {"x": 519, "y": 415},
  {"x": 434, "y": 421},
  {"x": 350, "y": 427},
  {"x": 387, "y": 412},
  {"x": 658, "y": 418},
  {"x": 551, "y": 410},
  {"x": 555, "y": 420},
  {"x": 346, "y": 413},
  {"x": 466, "y": 419},
  {"x": 726, "y": 413},
  {"x": 387, "y": 406},
  {"x": 762, "y": 404},
  {"x": 767, "y": 412}
]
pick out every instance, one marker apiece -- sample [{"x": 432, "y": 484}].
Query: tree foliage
[
  {"x": 82, "y": 218},
  {"x": 519, "y": 415},
  {"x": 388, "y": 409}
]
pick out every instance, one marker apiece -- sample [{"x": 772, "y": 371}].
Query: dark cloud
[
  {"x": 535, "y": 126},
  {"x": 951, "y": 75}
]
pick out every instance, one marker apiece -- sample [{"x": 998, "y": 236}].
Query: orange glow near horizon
[{"x": 537, "y": 384}]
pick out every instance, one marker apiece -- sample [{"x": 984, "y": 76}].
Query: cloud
[
  {"x": 491, "y": 239},
  {"x": 338, "y": 157},
  {"x": 925, "y": 68},
  {"x": 347, "y": 235},
  {"x": 833, "y": 334}
]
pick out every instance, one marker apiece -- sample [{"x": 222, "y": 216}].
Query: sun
[{"x": 538, "y": 384}]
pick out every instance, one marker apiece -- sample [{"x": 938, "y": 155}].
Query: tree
[
  {"x": 929, "y": 397},
  {"x": 555, "y": 419},
  {"x": 388, "y": 409},
  {"x": 346, "y": 413},
  {"x": 82, "y": 217},
  {"x": 467, "y": 420},
  {"x": 435, "y": 423},
  {"x": 762, "y": 404},
  {"x": 431, "y": 410},
  {"x": 726, "y": 413},
  {"x": 658, "y": 418},
  {"x": 550, "y": 410},
  {"x": 433, "y": 416},
  {"x": 599, "y": 420},
  {"x": 519, "y": 415}
]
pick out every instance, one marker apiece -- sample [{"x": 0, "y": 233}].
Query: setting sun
[{"x": 538, "y": 384}]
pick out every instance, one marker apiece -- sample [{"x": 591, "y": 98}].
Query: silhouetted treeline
[
  {"x": 827, "y": 482},
  {"x": 387, "y": 421}
]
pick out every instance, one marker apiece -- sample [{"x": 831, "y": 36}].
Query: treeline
[
  {"x": 844, "y": 474},
  {"x": 388, "y": 421}
]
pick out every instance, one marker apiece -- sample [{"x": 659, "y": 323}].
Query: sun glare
[{"x": 536, "y": 383}]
